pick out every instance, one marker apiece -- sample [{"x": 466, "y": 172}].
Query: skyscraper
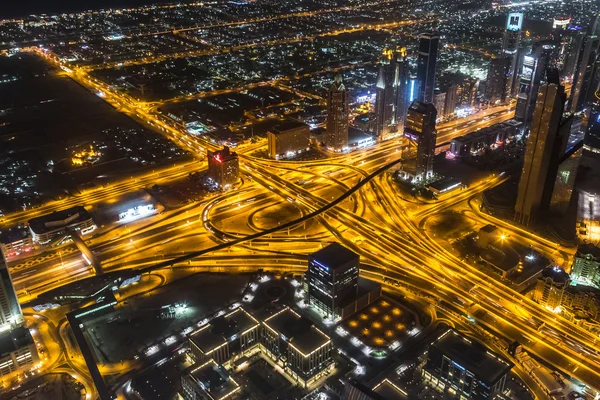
[
  {"x": 10, "y": 310},
  {"x": 582, "y": 90},
  {"x": 545, "y": 145},
  {"x": 336, "y": 136},
  {"x": 510, "y": 48},
  {"x": 426, "y": 65},
  {"x": 565, "y": 179},
  {"x": 332, "y": 278},
  {"x": 420, "y": 131},
  {"x": 498, "y": 83},
  {"x": 532, "y": 73},
  {"x": 392, "y": 93}
]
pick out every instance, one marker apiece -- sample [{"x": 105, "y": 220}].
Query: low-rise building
[
  {"x": 287, "y": 139},
  {"x": 586, "y": 265},
  {"x": 550, "y": 287},
  {"x": 302, "y": 350},
  {"x": 17, "y": 351},
  {"x": 208, "y": 380},
  {"x": 476, "y": 142},
  {"x": 225, "y": 337},
  {"x": 462, "y": 366},
  {"x": 46, "y": 228}
]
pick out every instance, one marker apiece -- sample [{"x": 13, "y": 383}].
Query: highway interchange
[{"x": 283, "y": 210}]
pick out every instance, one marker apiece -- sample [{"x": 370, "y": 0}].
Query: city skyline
[{"x": 303, "y": 200}]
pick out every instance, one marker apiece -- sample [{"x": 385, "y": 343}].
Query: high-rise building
[
  {"x": 403, "y": 91},
  {"x": 336, "y": 136},
  {"x": 583, "y": 79},
  {"x": 426, "y": 65},
  {"x": 532, "y": 73},
  {"x": 451, "y": 100},
  {"x": 498, "y": 83},
  {"x": 223, "y": 167},
  {"x": 11, "y": 315},
  {"x": 574, "y": 41},
  {"x": 565, "y": 179},
  {"x": 420, "y": 131},
  {"x": 510, "y": 48},
  {"x": 592, "y": 136},
  {"x": 586, "y": 265},
  {"x": 439, "y": 102},
  {"x": 332, "y": 278},
  {"x": 545, "y": 147},
  {"x": 392, "y": 93},
  {"x": 465, "y": 367}
]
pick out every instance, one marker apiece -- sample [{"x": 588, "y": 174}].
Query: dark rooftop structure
[
  {"x": 214, "y": 380},
  {"x": 473, "y": 356},
  {"x": 14, "y": 339},
  {"x": 298, "y": 331},
  {"x": 285, "y": 125},
  {"x": 160, "y": 382},
  {"x": 591, "y": 249},
  {"x": 335, "y": 255},
  {"x": 221, "y": 329},
  {"x": 558, "y": 275},
  {"x": 58, "y": 219}
]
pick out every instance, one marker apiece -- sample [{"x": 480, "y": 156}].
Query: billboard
[{"x": 514, "y": 21}]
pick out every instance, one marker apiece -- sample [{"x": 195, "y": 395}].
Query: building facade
[
  {"x": 287, "y": 139},
  {"x": 550, "y": 287},
  {"x": 426, "y": 65},
  {"x": 458, "y": 364},
  {"x": 421, "y": 133},
  {"x": 545, "y": 146},
  {"x": 392, "y": 92},
  {"x": 586, "y": 265},
  {"x": 498, "y": 82},
  {"x": 583, "y": 79},
  {"x": 332, "y": 279},
  {"x": 336, "y": 136},
  {"x": 225, "y": 337},
  {"x": 303, "y": 350},
  {"x": 58, "y": 224},
  {"x": 223, "y": 167}
]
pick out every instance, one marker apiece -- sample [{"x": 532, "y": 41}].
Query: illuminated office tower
[
  {"x": 10, "y": 311},
  {"x": 565, "y": 179},
  {"x": 223, "y": 167},
  {"x": 532, "y": 73},
  {"x": 426, "y": 65},
  {"x": 336, "y": 136},
  {"x": 403, "y": 91},
  {"x": 420, "y": 131},
  {"x": 332, "y": 278},
  {"x": 392, "y": 97},
  {"x": 510, "y": 48},
  {"x": 592, "y": 136},
  {"x": 387, "y": 82},
  {"x": 545, "y": 146},
  {"x": 583, "y": 87},
  {"x": 498, "y": 82}
]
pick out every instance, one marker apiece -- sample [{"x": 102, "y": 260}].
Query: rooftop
[
  {"x": 14, "y": 339},
  {"x": 387, "y": 390},
  {"x": 223, "y": 154},
  {"x": 214, "y": 380},
  {"x": 286, "y": 125},
  {"x": 590, "y": 249},
  {"x": 473, "y": 356},
  {"x": 58, "y": 219},
  {"x": 298, "y": 331},
  {"x": 222, "y": 329},
  {"x": 489, "y": 228},
  {"x": 335, "y": 255},
  {"x": 557, "y": 274}
]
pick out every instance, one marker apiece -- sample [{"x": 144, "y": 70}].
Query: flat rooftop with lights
[
  {"x": 473, "y": 356},
  {"x": 298, "y": 331},
  {"x": 222, "y": 329},
  {"x": 215, "y": 381}
]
